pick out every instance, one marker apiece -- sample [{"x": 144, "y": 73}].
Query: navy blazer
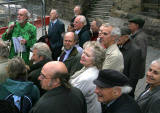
[{"x": 55, "y": 35}]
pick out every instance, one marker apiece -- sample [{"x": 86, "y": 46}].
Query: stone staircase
[{"x": 100, "y": 9}]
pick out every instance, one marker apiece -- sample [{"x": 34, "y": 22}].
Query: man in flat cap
[
  {"x": 132, "y": 58},
  {"x": 140, "y": 38},
  {"x": 111, "y": 89}
]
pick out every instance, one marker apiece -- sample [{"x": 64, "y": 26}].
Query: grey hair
[
  {"x": 116, "y": 32},
  {"x": 82, "y": 19},
  {"x": 4, "y": 50},
  {"x": 98, "y": 51},
  {"x": 43, "y": 50},
  {"x": 125, "y": 89},
  {"x": 157, "y": 60}
]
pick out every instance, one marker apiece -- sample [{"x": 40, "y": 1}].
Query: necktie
[{"x": 62, "y": 56}]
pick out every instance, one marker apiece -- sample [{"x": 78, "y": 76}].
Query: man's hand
[
  {"x": 23, "y": 41},
  {"x": 10, "y": 28}
]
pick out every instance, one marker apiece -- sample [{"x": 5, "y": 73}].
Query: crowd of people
[{"x": 91, "y": 68}]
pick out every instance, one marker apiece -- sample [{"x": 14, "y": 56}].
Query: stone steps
[{"x": 100, "y": 9}]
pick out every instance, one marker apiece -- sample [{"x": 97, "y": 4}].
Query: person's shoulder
[{"x": 31, "y": 25}]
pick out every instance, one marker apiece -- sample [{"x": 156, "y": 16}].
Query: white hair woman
[{"x": 92, "y": 58}]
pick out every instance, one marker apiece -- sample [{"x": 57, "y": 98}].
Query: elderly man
[
  {"x": 81, "y": 30},
  {"x": 22, "y": 35},
  {"x": 70, "y": 55},
  {"x": 55, "y": 31},
  {"x": 41, "y": 55},
  {"x": 114, "y": 58},
  {"x": 4, "y": 53},
  {"x": 60, "y": 96},
  {"x": 140, "y": 38},
  {"x": 149, "y": 100},
  {"x": 78, "y": 11},
  {"x": 132, "y": 58},
  {"x": 112, "y": 89}
]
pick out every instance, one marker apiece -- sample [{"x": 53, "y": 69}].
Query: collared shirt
[
  {"x": 79, "y": 49},
  {"x": 77, "y": 31},
  {"x": 67, "y": 53},
  {"x": 53, "y": 22}
]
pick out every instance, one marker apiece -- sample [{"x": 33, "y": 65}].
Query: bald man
[
  {"x": 60, "y": 96},
  {"x": 70, "y": 55},
  {"x": 22, "y": 31}
]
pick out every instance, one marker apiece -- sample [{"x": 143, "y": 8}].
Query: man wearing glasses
[
  {"x": 60, "y": 96},
  {"x": 109, "y": 36}
]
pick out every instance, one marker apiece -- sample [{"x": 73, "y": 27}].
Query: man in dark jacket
[
  {"x": 81, "y": 29},
  {"x": 55, "y": 31},
  {"x": 70, "y": 54},
  {"x": 149, "y": 100},
  {"x": 140, "y": 38},
  {"x": 41, "y": 55},
  {"x": 60, "y": 96},
  {"x": 112, "y": 89},
  {"x": 132, "y": 58}
]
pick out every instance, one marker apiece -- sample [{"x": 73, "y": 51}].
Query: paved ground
[{"x": 152, "y": 54}]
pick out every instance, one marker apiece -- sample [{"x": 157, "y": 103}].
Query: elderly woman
[
  {"x": 92, "y": 58},
  {"x": 17, "y": 83}
]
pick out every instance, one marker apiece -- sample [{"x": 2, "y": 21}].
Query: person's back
[
  {"x": 16, "y": 87},
  {"x": 61, "y": 100}
]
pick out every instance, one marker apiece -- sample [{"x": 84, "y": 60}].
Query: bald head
[
  {"x": 54, "y": 67},
  {"x": 23, "y": 15},
  {"x": 54, "y": 74}
]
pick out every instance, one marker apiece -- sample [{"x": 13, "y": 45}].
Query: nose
[{"x": 96, "y": 90}]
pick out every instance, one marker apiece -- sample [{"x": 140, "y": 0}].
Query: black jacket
[
  {"x": 84, "y": 36},
  {"x": 34, "y": 73},
  {"x": 124, "y": 104},
  {"x": 61, "y": 100}
]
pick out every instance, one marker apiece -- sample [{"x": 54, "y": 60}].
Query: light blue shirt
[{"x": 67, "y": 53}]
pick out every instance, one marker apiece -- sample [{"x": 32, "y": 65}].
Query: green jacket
[{"x": 28, "y": 32}]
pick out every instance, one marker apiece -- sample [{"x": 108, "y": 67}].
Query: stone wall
[
  {"x": 125, "y": 9},
  {"x": 65, "y": 7}
]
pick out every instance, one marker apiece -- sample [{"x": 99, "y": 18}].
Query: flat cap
[
  {"x": 108, "y": 78},
  {"x": 137, "y": 20}
]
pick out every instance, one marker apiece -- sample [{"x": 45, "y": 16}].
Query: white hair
[
  {"x": 125, "y": 89},
  {"x": 82, "y": 19},
  {"x": 156, "y": 61}
]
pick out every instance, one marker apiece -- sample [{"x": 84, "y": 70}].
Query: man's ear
[{"x": 116, "y": 91}]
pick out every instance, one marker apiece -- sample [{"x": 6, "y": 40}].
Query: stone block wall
[{"x": 65, "y": 7}]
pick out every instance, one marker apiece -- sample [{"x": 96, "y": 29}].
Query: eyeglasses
[{"x": 43, "y": 76}]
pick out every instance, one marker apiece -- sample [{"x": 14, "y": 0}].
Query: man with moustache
[
  {"x": 149, "y": 100},
  {"x": 22, "y": 30}
]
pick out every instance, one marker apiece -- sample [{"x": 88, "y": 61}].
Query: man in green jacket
[{"x": 24, "y": 31}]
